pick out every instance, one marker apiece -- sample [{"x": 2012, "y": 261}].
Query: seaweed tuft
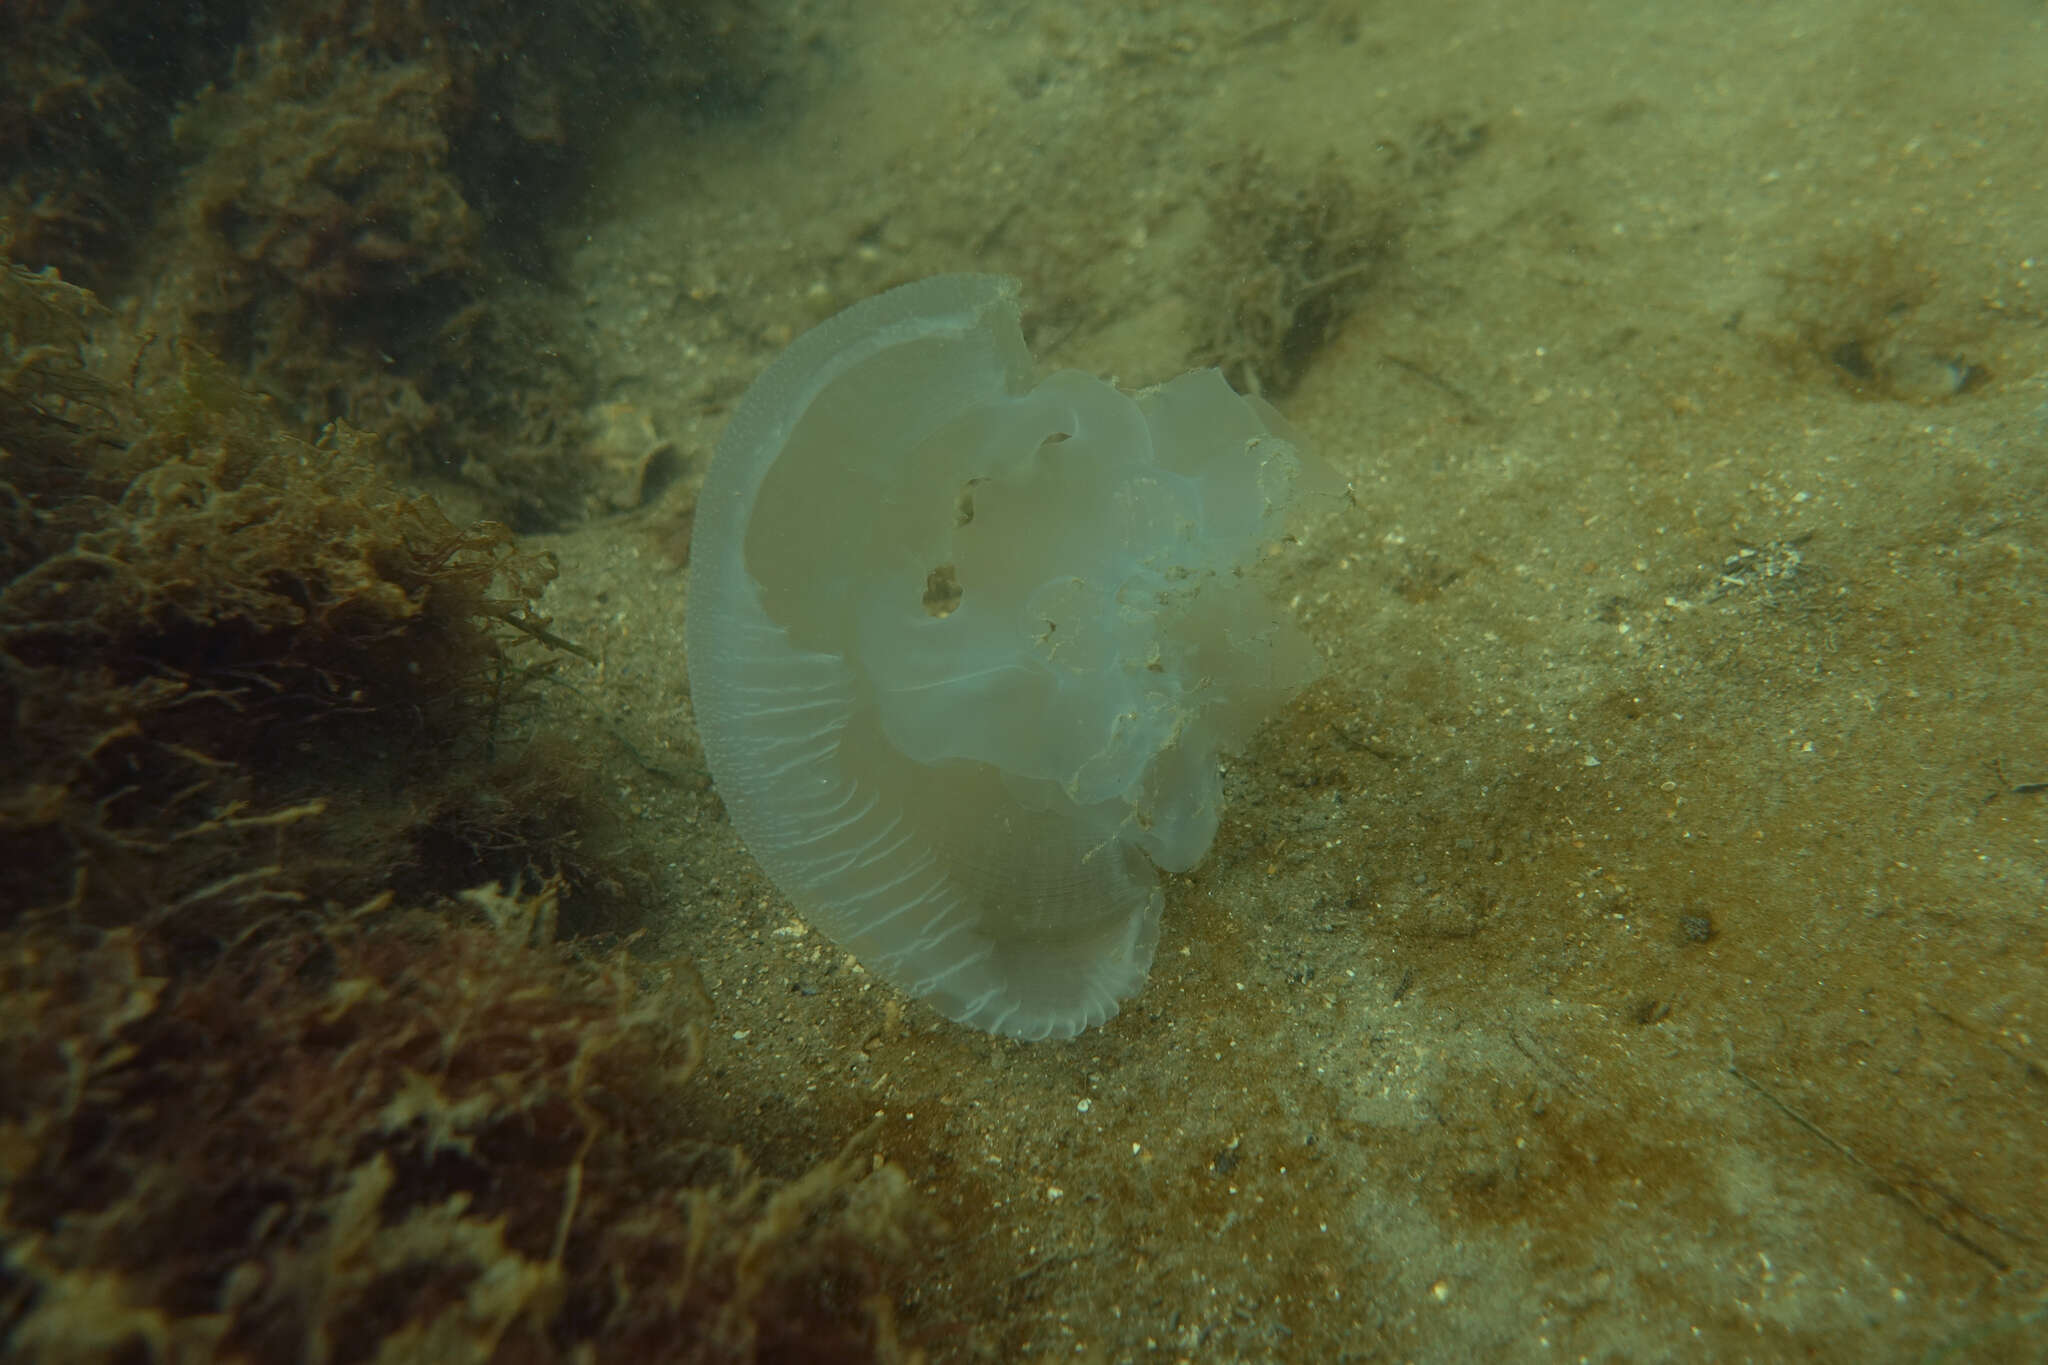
[{"x": 1285, "y": 264}]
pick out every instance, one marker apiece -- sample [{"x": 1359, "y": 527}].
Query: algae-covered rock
[
  {"x": 294, "y": 1065},
  {"x": 350, "y": 203}
]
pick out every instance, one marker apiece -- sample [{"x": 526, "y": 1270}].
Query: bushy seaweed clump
[
  {"x": 275, "y": 1084},
  {"x": 1285, "y": 263},
  {"x": 202, "y": 612}
]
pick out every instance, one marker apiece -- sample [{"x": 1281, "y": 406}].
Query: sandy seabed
[{"x": 1634, "y": 947}]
